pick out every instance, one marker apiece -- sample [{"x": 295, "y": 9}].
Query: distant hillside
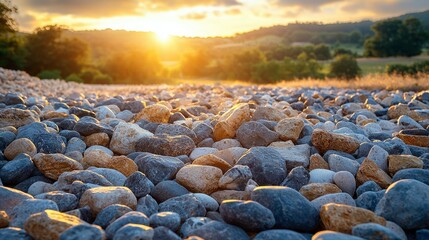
[{"x": 422, "y": 16}]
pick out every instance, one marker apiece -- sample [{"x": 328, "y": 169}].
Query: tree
[
  {"x": 345, "y": 67},
  {"x": 396, "y": 38},
  {"x": 7, "y": 23},
  {"x": 195, "y": 63},
  {"x": 322, "y": 52},
  {"x": 48, "y": 50}
]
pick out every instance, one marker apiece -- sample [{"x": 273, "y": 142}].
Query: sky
[{"x": 202, "y": 18}]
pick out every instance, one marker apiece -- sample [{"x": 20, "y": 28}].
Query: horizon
[{"x": 203, "y": 19}]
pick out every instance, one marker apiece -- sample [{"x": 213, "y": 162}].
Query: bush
[
  {"x": 102, "y": 79},
  {"x": 401, "y": 69},
  {"x": 74, "y": 78},
  {"x": 345, "y": 67},
  {"x": 88, "y": 74},
  {"x": 50, "y": 74}
]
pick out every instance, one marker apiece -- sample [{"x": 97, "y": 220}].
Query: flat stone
[
  {"x": 325, "y": 141},
  {"x": 168, "y": 189},
  {"x": 297, "y": 178},
  {"x": 134, "y": 231},
  {"x": 212, "y": 160},
  {"x": 268, "y": 113},
  {"x": 297, "y": 212},
  {"x": 201, "y": 151},
  {"x": 4, "y": 219},
  {"x": 85, "y": 176},
  {"x": 290, "y": 128},
  {"x": 418, "y": 174},
  {"x": 248, "y": 215},
  {"x": 166, "y": 145},
  {"x": 129, "y": 217},
  {"x": 171, "y": 220},
  {"x": 186, "y": 206},
  {"x": 342, "y": 218},
  {"x": 64, "y": 201},
  {"x": 112, "y": 175},
  {"x": 209, "y": 203},
  {"x": 125, "y": 136},
  {"x": 199, "y": 178},
  {"x": 21, "y": 145},
  {"x": 123, "y": 164},
  {"x": 101, "y": 197},
  {"x": 321, "y": 176},
  {"x": 159, "y": 168},
  {"x": 339, "y": 163},
  {"x": 416, "y": 140},
  {"x": 369, "y": 171},
  {"x": 230, "y": 121},
  {"x": 314, "y": 190},
  {"x": 156, "y": 113},
  {"x": 16, "y": 117},
  {"x": 110, "y": 213},
  {"x": 53, "y": 165},
  {"x": 369, "y": 230},
  {"x": 295, "y": 156},
  {"x": 399, "y": 162},
  {"x": 338, "y": 198},
  {"x": 236, "y": 178},
  {"x": 252, "y": 134},
  {"x": 226, "y": 143},
  {"x": 25, "y": 209},
  {"x": 101, "y": 139},
  {"x": 175, "y": 130},
  {"x": 317, "y": 162},
  {"x": 50, "y": 224}
]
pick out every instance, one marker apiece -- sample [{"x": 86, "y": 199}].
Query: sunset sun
[{"x": 162, "y": 36}]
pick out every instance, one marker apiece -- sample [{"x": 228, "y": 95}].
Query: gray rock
[
  {"x": 297, "y": 178},
  {"x": 369, "y": 200},
  {"x": 175, "y": 130},
  {"x": 374, "y": 231},
  {"x": 421, "y": 234},
  {"x": 191, "y": 224},
  {"x": 25, "y": 209},
  {"x": 186, "y": 206},
  {"x": 297, "y": 212},
  {"x": 147, "y": 205},
  {"x": 158, "y": 168},
  {"x": 208, "y": 202},
  {"x": 339, "y": 198},
  {"x": 109, "y": 214},
  {"x": 338, "y": 163},
  {"x": 165, "y": 234},
  {"x": 83, "y": 232},
  {"x": 252, "y": 134},
  {"x": 85, "y": 176},
  {"x": 331, "y": 235},
  {"x": 134, "y": 232},
  {"x": 17, "y": 170},
  {"x": 166, "y": 145},
  {"x": 379, "y": 156},
  {"x": 87, "y": 126},
  {"x": 402, "y": 203},
  {"x": 266, "y": 164},
  {"x": 139, "y": 184},
  {"x": 321, "y": 176},
  {"x": 406, "y": 122},
  {"x": 170, "y": 220},
  {"x": 129, "y": 217},
  {"x": 203, "y": 131},
  {"x": 295, "y": 156},
  {"x": 10, "y": 198},
  {"x": 112, "y": 175},
  {"x": 75, "y": 144},
  {"x": 279, "y": 234},
  {"x": 249, "y": 215},
  {"x": 421, "y": 175},
  {"x": 236, "y": 178},
  {"x": 14, "y": 233},
  {"x": 368, "y": 186},
  {"x": 49, "y": 143},
  {"x": 345, "y": 181},
  {"x": 65, "y": 201},
  {"x": 219, "y": 230},
  {"x": 168, "y": 189},
  {"x": 32, "y": 130}
]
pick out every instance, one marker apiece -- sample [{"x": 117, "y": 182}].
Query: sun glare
[{"x": 162, "y": 36}]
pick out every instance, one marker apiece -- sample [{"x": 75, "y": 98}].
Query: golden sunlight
[{"x": 163, "y": 36}]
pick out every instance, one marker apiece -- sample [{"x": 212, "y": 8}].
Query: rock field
[{"x": 211, "y": 162}]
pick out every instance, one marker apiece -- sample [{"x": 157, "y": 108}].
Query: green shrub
[
  {"x": 74, "y": 78},
  {"x": 401, "y": 69},
  {"x": 345, "y": 67},
  {"x": 50, "y": 74},
  {"x": 102, "y": 79}
]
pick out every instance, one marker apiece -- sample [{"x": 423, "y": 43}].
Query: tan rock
[
  {"x": 49, "y": 224},
  {"x": 399, "y": 162},
  {"x": 289, "y": 128},
  {"x": 230, "y": 121},
  {"x": 369, "y": 170},
  {"x": 268, "y": 113},
  {"x": 96, "y": 158},
  {"x": 10, "y": 129},
  {"x": 396, "y": 111},
  {"x": 155, "y": 113},
  {"x": 317, "y": 162},
  {"x": 17, "y": 117},
  {"x": 4, "y": 219},
  {"x": 123, "y": 164},
  {"x": 416, "y": 140},
  {"x": 342, "y": 218},
  {"x": 199, "y": 178},
  {"x": 101, "y": 139},
  {"x": 101, "y": 197},
  {"x": 53, "y": 165},
  {"x": 222, "y": 195},
  {"x": 21, "y": 145},
  {"x": 231, "y": 155},
  {"x": 325, "y": 141},
  {"x": 212, "y": 160},
  {"x": 126, "y": 136},
  {"x": 53, "y": 114},
  {"x": 314, "y": 190}
]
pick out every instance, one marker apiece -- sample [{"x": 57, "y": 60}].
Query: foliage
[
  {"x": 413, "y": 69},
  {"x": 7, "y": 23},
  {"x": 318, "y": 52},
  {"x": 48, "y": 50},
  {"x": 74, "y": 78},
  {"x": 50, "y": 74},
  {"x": 195, "y": 63},
  {"x": 343, "y": 51},
  {"x": 345, "y": 67},
  {"x": 396, "y": 38},
  {"x": 102, "y": 79},
  {"x": 12, "y": 52}
]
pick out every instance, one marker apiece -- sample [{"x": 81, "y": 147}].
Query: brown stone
[
  {"x": 10, "y": 129},
  {"x": 369, "y": 171},
  {"x": 396, "y": 111},
  {"x": 96, "y": 158},
  {"x": 101, "y": 139},
  {"x": 212, "y": 160},
  {"x": 199, "y": 178},
  {"x": 11, "y": 197},
  {"x": 155, "y": 113},
  {"x": 101, "y": 197},
  {"x": 49, "y": 224},
  {"x": 317, "y": 162},
  {"x": 342, "y": 218},
  {"x": 268, "y": 113},
  {"x": 4, "y": 219},
  {"x": 290, "y": 128},
  {"x": 230, "y": 121},
  {"x": 325, "y": 141},
  {"x": 53, "y": 114},
  {"x": 53, "y": 165},
  {"x": 123, "y": 164},
  {"x": 314, "y": 190},
  {"x": 416, "y": 140},
  {"x": 222, "y": 195},
  {"x": 17, "y": 117},
  {"x": 399, "y": 162},
  {"x": 21, "y": 145}
]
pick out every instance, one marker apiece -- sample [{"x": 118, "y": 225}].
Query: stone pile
[{"x": 214, "y": 162}]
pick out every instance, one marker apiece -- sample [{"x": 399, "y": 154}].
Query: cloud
[
  {"x": 306, "y": 4},
  {"x": 82, "y": 8},
  {"x": 194, "y": 16},
  {"x": 386, "y": 8},
  {"x": 163, "y": 5}
]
